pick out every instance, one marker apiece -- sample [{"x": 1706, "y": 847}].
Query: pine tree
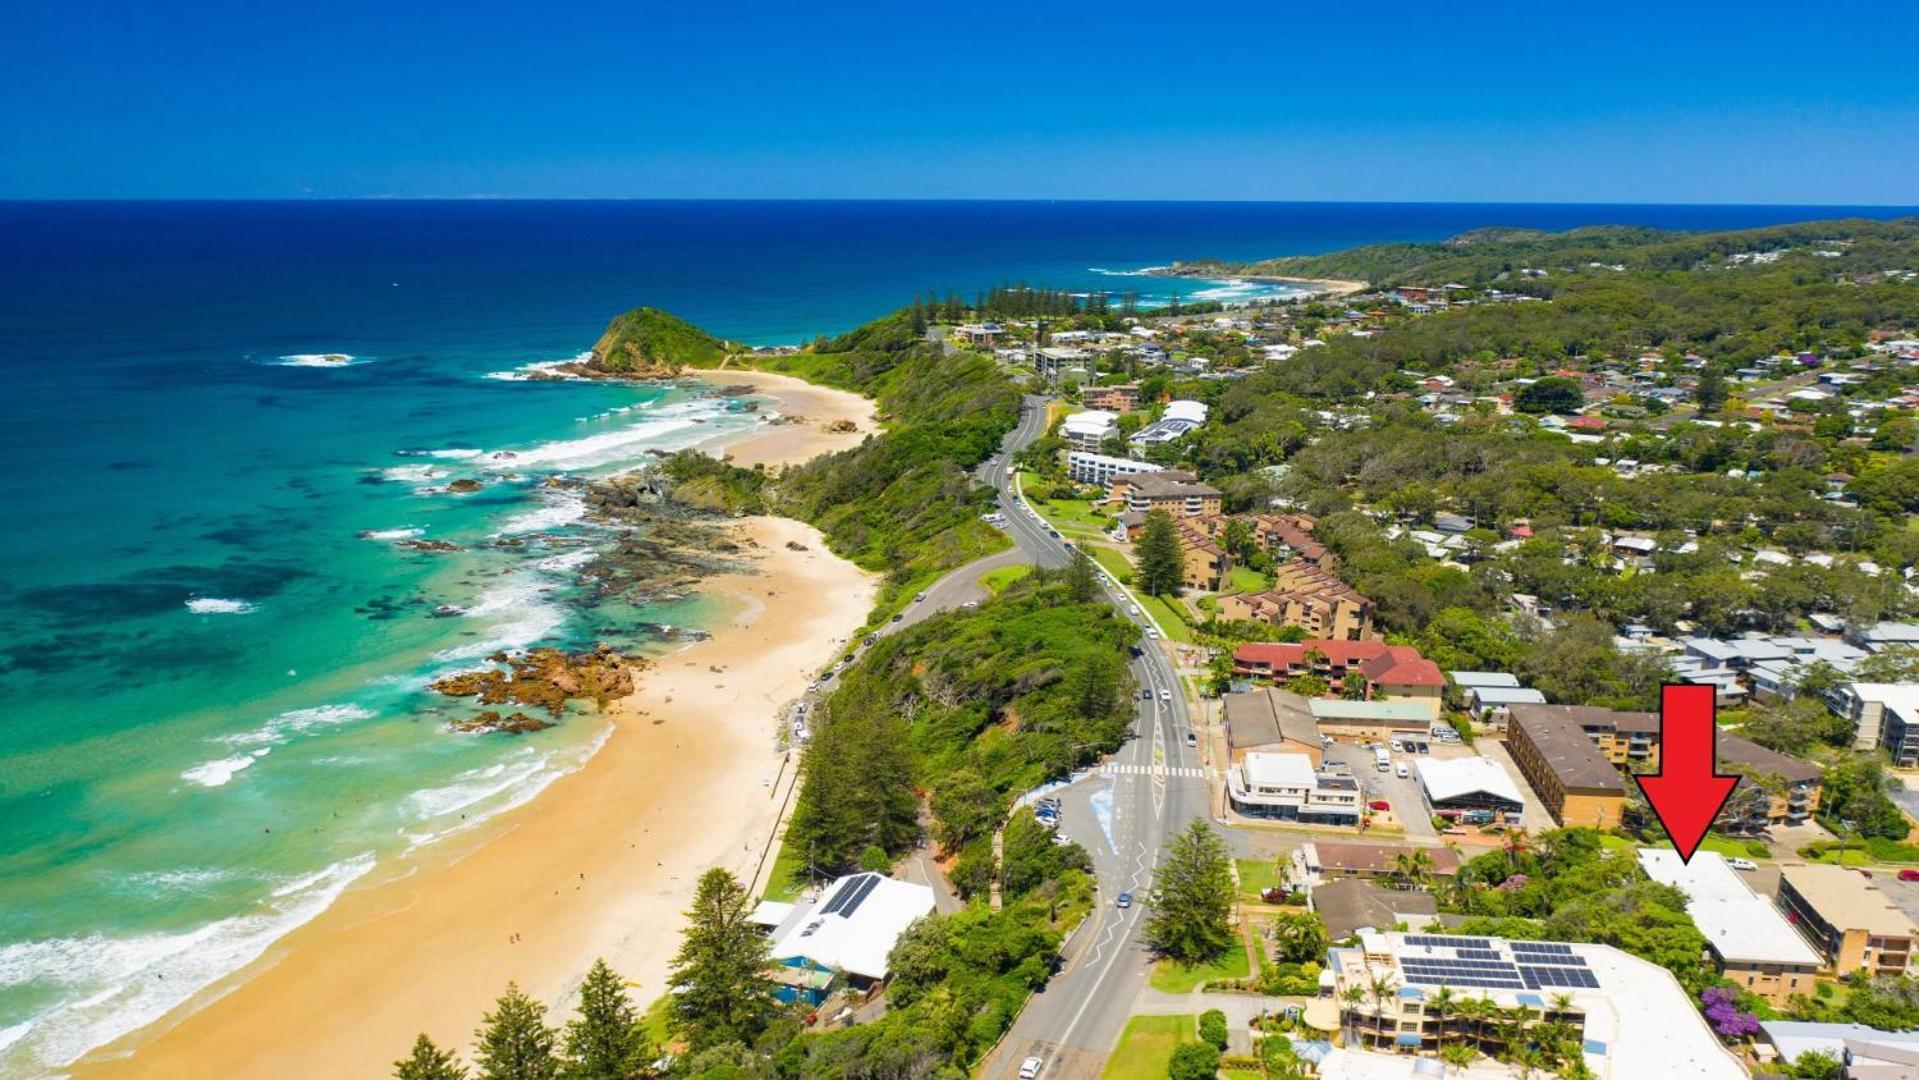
[
  {"x": 428, "y": 1062},
  {"x": 1193, "y": 902},
  {"x": 515, "y": 1043},
  {"x": 1161, "y": 566},
  {"x": 1081, "y": 585},
  {"x": 605, "y": 1040},
  {"x": 722, "y": 992}
]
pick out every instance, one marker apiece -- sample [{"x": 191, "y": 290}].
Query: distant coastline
[{"x": 1216, "y": 270}]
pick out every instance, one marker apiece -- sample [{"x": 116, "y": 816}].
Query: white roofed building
[
  {"x": 848, "y": 930},
  {"x": 1473, "y": 783},
  {"x": 1750, "y": 939},
  {"x": 1087, "y": 430},
  {"x": 1287, "y": 787}
]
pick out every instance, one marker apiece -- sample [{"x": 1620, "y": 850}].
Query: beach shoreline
[
  {"x": 811, "y": 409},
  {"x": 601, "y": 864},
  {"x": 1333, "y": 287}
]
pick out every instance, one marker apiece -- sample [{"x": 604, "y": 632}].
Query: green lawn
[
  {"x": 1112, "y": 560},
  {"x": 1740, "y": 849},
  {"x": 1171, "y": 619},
  {"x": 994, "y": 581},
  {"x": 1256, "y": 875},
  {"x": 1145, "y": 1049},
  {"x": 784, "y": 882},
  {"x": 1244, "y": 579},
  {"x": 1175, "y": 978}
]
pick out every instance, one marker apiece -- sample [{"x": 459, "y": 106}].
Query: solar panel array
[
  {"x": 1439, "y": 941},
  {"x": 1473, "y": 962},
  {"x": 852, "y": 895},
  {"x": 1552, "y": 978}
]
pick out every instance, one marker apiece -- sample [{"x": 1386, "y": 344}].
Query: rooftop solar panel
[
  {"x": 1437, "y": 941},
  {"x": 859, "y": 895}
]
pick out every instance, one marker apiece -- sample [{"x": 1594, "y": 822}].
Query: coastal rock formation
[
  {"x": 546, "y": 679},
  {"x": 515, "y": 723},
  {"x": 428, "y": 545},
  {"x": 464, "y": 486},
  {"x": 841, "y": 427}
]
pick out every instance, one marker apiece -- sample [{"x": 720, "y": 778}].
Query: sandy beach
[
  {"x": 600, "y": 865},
  {"x": 813, "y": 409}
]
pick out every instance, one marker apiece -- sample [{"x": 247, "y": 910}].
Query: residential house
[{"x": 1347, "y": 906}]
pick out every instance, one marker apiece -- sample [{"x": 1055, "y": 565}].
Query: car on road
[
  {"x": 1029, "y": 1069},
  {"x": 1192, "y": 738},
  {"x": 897, "y": 617},
  {"x": 1146, "y": 695},
  {"x": 1166, "y": 695},
  {"x": 1125, "y": 900},
  {"x": 1909, "y": 875},
  {"x": 919, "y": 598},
  {"x": 1152, "y": 633},
  {"x": 870, "y": 639},
  {"x": 1742, "y": 864}
]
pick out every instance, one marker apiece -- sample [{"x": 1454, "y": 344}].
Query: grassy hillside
[{"x": 650, "y": 341}]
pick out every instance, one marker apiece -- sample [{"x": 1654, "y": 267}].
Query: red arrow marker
[{"x": 1687, "y": 791}]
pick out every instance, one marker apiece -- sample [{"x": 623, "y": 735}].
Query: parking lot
[{"x": 1408, "y": 807}]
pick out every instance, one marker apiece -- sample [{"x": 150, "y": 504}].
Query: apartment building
[
  {"x": 1204, "y": 563},
  {"x": 1124, "y": 398},
  {"x": 1175, "y": 491},
  {"x": 1308, "y": 596},
  {"x": 1395, "y": 671},
  {"x": 1286, "y": 787},
  {"x": 1086, "y": 467},
  {"x": 1752, "y": 943},
  {"x": 1574, "y": 781},
  {"x": 1847, "y": 919},
  {"x": 1885, "y": 714}
]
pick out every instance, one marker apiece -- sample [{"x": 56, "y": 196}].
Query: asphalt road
[{"x": 1122, "y": 814}]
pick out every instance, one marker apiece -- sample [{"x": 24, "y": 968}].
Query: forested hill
[{"x": 1486, "y": 256}]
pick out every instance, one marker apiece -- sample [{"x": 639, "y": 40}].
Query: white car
[
  {"x": 1742, "y": 864},
  {"x": 1029, "y": 1069},
  {"x": 1166, "y": 695}
]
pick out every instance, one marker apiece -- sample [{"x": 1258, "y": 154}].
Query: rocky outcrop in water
[
  {"x": 490, "y": 721},
  {"x": 547, "y": 679},
  {"x": 428, "y": 545}
]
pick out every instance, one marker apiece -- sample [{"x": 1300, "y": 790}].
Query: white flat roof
[
  {"x": 1739, "y": 924},
  {"x": 1508, "y": 695},
  {"x": 1452, "y": 778},
  {"x": 1484, "y": 678},
  {"x": 1278, "y": 770}
]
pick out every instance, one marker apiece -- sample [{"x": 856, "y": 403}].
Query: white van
[
  {"x": 1382, "y": 759},
  {"x": 1402, "y": 771}
]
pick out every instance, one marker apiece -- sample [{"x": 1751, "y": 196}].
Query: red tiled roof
[
  {"x": 1402, "y": 666},
  {"x": 1392, "y": 665}
]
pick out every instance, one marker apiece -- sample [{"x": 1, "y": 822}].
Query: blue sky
[{"x": 1669, "y": 102}]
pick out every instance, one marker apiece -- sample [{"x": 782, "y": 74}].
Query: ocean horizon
[{"x": 223, "y": 418}]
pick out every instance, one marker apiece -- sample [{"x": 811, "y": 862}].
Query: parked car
[
  {"x": 1125, "y": 900},
  {"x": 897, "y": 617},
  {"x": 1401, "y": 771},
  {"x": 1423, "y": 748},
  {"x": 1379, "y": 804},
  {"x": 1909, "y": 875},
  {"x": 917, "y": 597},
  {"x": 1742, "y": 864},
  {"x": 1864, "y": 873},
  {"x": 1029, "y": 1069}
]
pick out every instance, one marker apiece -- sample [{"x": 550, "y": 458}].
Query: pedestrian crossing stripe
[{"x": 1151, "y": 770}]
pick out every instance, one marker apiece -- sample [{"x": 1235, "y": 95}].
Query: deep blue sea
[{"x": 214, "y": 657}]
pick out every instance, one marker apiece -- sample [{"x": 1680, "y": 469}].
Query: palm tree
[
  {"x": 1514, "y": 847},
  {"x": 1352, "y": 996},
  {"x": 1377, "y": 988},
  {"x": 1457, "y": 1056},
  {"x": 1441, "y": 1004}
]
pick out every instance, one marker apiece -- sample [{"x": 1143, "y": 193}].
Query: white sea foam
[
  {"x": 455, "y": 453},
  {"x": 413, "y": 474},
  {"x": 672, "y": 427},
  {"x": 11, "y": 1035},
  {"x": 103, "y": 987},
  {"x": 393, "y": 534},
  {"x": 293, "y": 722},
  {"x": 566, "y": 562},
  {"x": 214, "y": 605},
  {"x": 218, "y": 773},
  {"x": 325, "y": 360},
  {"x": 539, "y": 369},
  {"x": 556, "y": 511},
  {"x": 481, "y": 793},
  {"x": 187, "y": 880},
  {"x": 519, "y": 611}
]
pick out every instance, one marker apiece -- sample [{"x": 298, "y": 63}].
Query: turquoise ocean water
[{"x": 214, "y": 657}]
